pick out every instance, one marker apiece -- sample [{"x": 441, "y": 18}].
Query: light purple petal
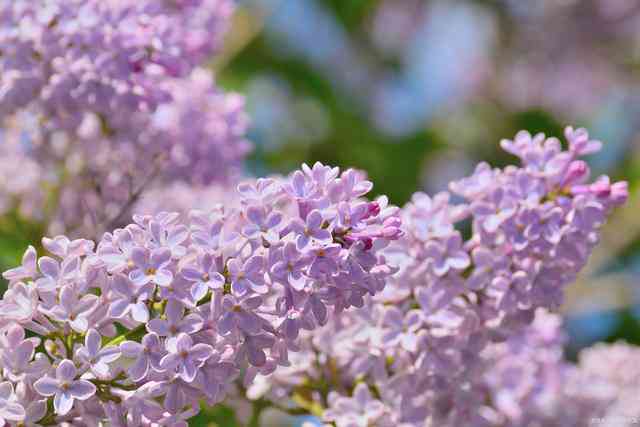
[
  {"x": 119, "y": 308},
  {"x": 82, "y": 389},
  {"x": 62, "y": 403},
  {"x": 46, "y": 386},
  {"x": 131, "y": 348},
  {"x": 140, "y": 312},
  {"x": 201, "y": 352},
  {"x": 66, "y": 371}
]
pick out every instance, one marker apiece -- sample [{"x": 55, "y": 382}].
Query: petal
[
  {"x": 62, "y": 403},
  {"x": 49, "y": 266},
  {"x": 188, "y": 370},
  {"x": 199, "y": 290},
  {"x": 82, "y": 389},
  {"x": 158, "y": 326},
  {"x": 119, "y": 308},
  {"x": 80, "y": 324},
  {"x": 201, "y": 352},
  {"x": 6, "y": 390},
  {"x": 66, "y": 371},
  {"x": 109, "y": 354},
  {"x": 160, "y": 256},
  {"x": 174, "y": 311},
  {"x": 184, "y": 343},
  {"x": 163, "y": 277},
  {"x": 131, "y": 348},
  {"x": 93, "y": 341},
  {"x": 170, "y": 361},
  {"x": 139, "y": 369},
  {"x": 140, "y": 312},
  {"x": 314, "y": 219},
  {"x": 13, "y": 412},
  {"x": 140, "y": 257},
  {"x": 139, "y": 278},
  {"x": 122, "y": 285},
  {"x": 191, "y": 323},
  {"x": 46, "y": 386},
  {"x": 191, "y": 274}
]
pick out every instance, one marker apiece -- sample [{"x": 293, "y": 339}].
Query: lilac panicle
[
  {"x": 420, "y": 345},
  {"x": 171, "y": 309},
  {"x": 101, "y": 99}
]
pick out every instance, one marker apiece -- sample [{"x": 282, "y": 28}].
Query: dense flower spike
[
  {"x": 527, "y": 382},
  {"x": 172, "y": 310},
  {"x": 101, "y": 99},
  {"x": 418, "y": 345}
]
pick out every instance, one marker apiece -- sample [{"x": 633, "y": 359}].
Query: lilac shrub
[
  {"x": 108, "y": 98},
  {"x": 414, "y": 355},
  {"x": 169, "y": 310}
]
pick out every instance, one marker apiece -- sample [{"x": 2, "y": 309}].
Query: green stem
[{"x": 136, "y": 332}]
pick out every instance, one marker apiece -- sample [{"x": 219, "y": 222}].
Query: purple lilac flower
[
  {"x": 151, "y": 267},
  {"x": 65, "y": 387},
  {"x": 96, "y": 356},
  {"x": 185, "y": 357},
  {"x": 147, "y": 355}
]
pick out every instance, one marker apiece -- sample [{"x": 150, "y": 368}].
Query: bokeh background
[{"x": 416, "y": 92}]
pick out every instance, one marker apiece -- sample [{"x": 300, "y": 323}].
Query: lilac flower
[
  {"x": 117, "y": 254},
  {"x": 64, "y": 387},
  {"x": 447, "y": 255},
  {"x": 171, "y": 238},
  {"x": 147, "y": 354},
  {"x": 55, "y": 274},
  {"x": 185, "y": 357},
  {"x": 262, "y": 225},
  {"x": 240, "y": 315},
  {"x": 401, "y": 329},
  {"x": 151, "y": 267},
  {"x": 247, "y": 276},
  {"x": 324, "y": 259},
  {"x": 291, "y": 267},
  {"x": 74, "y": 309},
  {"x": 176, "y": 322},
  {"x": 205, "y": 276},
  {"x": 96, "y": 357},
  {"x": 130, "y": 299},
  {"x": 309, "y": 229}
]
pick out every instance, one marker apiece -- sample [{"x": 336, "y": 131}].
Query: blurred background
[{"x": 416, "y": 92}]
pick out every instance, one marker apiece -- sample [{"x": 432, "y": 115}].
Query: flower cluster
[
  {"x": 64, "y": 58},
  {"x": 414, "y": 354},
  {"x": 107, "y": 97},
  {"x": 528, "y": 382},
  {"x": 165, "y": 311}
]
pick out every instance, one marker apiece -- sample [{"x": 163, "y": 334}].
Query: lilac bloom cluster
[
  {"x": 528, "y": 382},
  {"x": 414, "y": 352},
  {"x": 169, "y": 311},
  {"x": 107, "y": 97},
  {"x": 65, "y": 58}
]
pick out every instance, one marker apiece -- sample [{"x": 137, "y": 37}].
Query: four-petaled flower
[
  {"x": 65, "y": 387},
  {"x": 185, "y": 357},
  {"x": 151, "y": 267},
  {"x": 96, "y": 357}
]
